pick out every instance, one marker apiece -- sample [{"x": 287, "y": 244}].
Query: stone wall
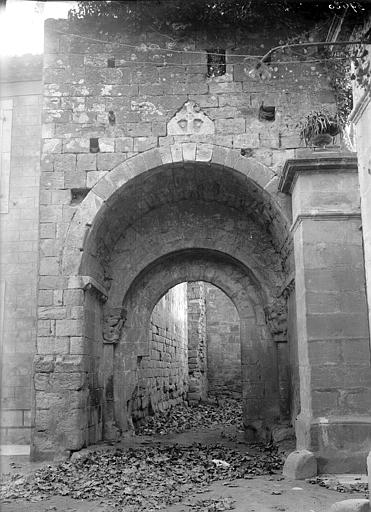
[
  {"x": 331, "y": 311},
  {"x": 81, "y": 91},
  {"x": 197, "y": 351},
  {"x": 20, "y": 132},
  {"x": 361, "y": 117},
  {"x": 213, "y": 165},
  {"x": 163, "y": 374},
  {"x": 223, "y": 344}
]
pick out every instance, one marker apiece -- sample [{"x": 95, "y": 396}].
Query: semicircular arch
[
  {"x": 259, "y": 364},
  {"x": 106, "y": 196}
]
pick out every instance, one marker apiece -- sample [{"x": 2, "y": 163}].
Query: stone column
[{"x": 332, "y": 327}]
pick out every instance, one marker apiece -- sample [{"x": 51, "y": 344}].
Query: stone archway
[
  {"x": 259, "y": 363},
  {"x": 91, "y": 213},
  {"x": 184, "y": 199}
]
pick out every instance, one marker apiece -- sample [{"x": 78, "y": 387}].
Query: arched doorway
[
  {"x": 153, "y": 223},
  {"x": 259, "y": 363},
  {"x": 194, "y": 353}
]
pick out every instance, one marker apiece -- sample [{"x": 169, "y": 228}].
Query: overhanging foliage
[{"x": 206, "y": 13}]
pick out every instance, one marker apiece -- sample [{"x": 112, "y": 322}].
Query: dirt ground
[
  {"x": 255, "y": 494},
  {"x": 249, "y": 496}
]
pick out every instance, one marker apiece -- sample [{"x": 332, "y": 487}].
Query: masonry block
[
  {"x": 77, "y": 145},
  {"x": 69, "y": 327},
  {"x": 300, "y": 465},
  {"x": 352, "y": 505},
  {"x": 124, "y": 144},
  {"x": 86, "y": 162}
]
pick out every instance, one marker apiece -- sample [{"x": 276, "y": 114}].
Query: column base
[{"x": 340, "y": 444}]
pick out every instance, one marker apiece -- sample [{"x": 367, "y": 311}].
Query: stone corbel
[{"x": 88, "y": 283}]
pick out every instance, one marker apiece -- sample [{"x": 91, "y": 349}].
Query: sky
[{"x": 22, "y": 25}]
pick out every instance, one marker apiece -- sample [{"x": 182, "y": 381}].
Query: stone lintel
[
  {"x": 320, "y": 216},
  {"x": 320, "y": 162},
  {"x": 88, "y": 283}
]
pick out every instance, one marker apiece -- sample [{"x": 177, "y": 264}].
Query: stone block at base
[
  {"x": 356, "y": 505},
  {"x": 369, "y": 475},
  {"x": 300, "y": 464}
]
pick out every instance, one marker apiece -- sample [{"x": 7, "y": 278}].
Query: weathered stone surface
[
  {"x": 114, "y": 320},
  {"x": 300, "y": 464},
  {"x": 369, "y": 474},
  {"x": 44, "y": 364},
  {"x": 352, "y": 505},
  {"x": 190, "y": 120}
]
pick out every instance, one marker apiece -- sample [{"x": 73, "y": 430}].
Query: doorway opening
[{"x": 194, "y": 351}]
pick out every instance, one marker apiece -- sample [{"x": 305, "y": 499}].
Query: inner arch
[
  {"x": 258, "y": 351},
  {"x": 174, "y": 223},
  {"x": 205, "y": 184},
  {"x": 194, "y": 352}
]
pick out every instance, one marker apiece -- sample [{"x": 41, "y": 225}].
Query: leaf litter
[
  {"x": 150, "y": 477},
  {"x": 333, "y": 484},
  {"x": 141, "y": 479},
  {"x": 183, "y": 417}
]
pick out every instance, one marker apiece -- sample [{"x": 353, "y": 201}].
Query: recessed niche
[
  {"x": 111, "y": 62},
  {"x": 216, "y": 63},
  {"x": 94, "y": 145},
  {"x": 111, "y": 118},
  {"x": 248, "y": 152},
  {"x": 78, "y": 195},
  {"x": 267, "y": 113}
]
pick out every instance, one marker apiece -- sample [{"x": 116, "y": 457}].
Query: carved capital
[
  {"x": 113, "y": 322},
  {"x": 276, "y": 317}
]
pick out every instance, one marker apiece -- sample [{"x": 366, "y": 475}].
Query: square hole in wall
[
  {"x": 78, "y": 195},
  {"x": 94, "y": 145},
  {"x": 216, "y": 64},
  {"x": 267, "y": 113},
  {"x": 111, "y": 62}
]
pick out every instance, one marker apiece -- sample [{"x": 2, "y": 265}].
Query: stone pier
[{"x": 333, "y": 337}]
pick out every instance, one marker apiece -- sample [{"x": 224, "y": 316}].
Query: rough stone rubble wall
[
  {"x": 80, "y": 90},
  {"x": 223, "y": 344},
  {"x": 163, "y": 375},
  {"x": 20, "y": 104}
]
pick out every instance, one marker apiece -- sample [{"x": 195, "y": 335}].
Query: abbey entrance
[
  {"x": 164, "y": 192},
  {"x": 220, "y": 219}
]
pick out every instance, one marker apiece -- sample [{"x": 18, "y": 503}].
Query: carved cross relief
[{"x": 190, "y": 120}]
